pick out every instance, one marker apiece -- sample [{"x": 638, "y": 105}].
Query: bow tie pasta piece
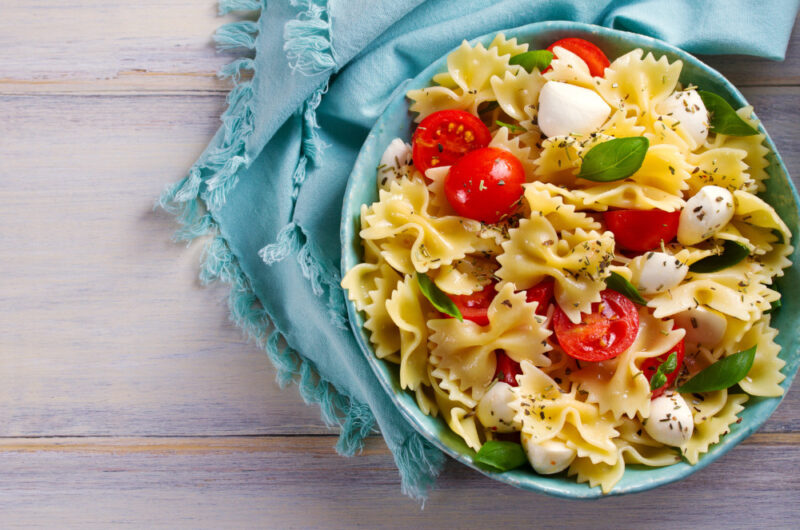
[
  {"x": 735, "y": 291},
  {"x": 465, "y": 350},
  {"x": 560, "y": 158},
  {"x": 634, "y": 447},
  {"x": 567, "y": 67},
  {"x": 465, "y": 276},
  {"x": 410, "y": 239},
  {"x": 765, "y": 376},
  {"x": 723, "y": 167},
  {"x": 555, "y": 242},
  {"x": 426, "y": 101},
  {"x": 384, "y": 334},
  {"x": 467, "y": 82},
  {"x": 473, "y": 67},
  {"x": 407, "y": 308},
  {"x": 712, "y": 429},
  {"x": 659, "y": 183},
  {"x": 618, "y": 385},
  {"x": 546, "y": 412},
  {"x": 438, "y": 203},
  {"x": 456, "y": 408},
  {"x": 629, "y": 196},
  {"x": 621, "y": 126},
  {"x": 635, "y": 85},
  {"x": 753, "y": 145},
  {"x": 759, "y": 222},
  {"x": 516, "y": 92},
  {"x": 499, "y": 44}
]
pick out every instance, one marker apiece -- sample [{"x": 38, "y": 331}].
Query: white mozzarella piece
[
  {"x": 565, "y": 109},
  {"x": 395, "y": 163},
  {"x": 660, "y": 271},
  {"x": 549, "y": 456},
  {"x": 670, "y": 421},
  {"x": 705, "y": 214},
  {"x": 704, "y": 327},
  {"x": 687, "y": 107},
  {"x": 494, "y": 409}
]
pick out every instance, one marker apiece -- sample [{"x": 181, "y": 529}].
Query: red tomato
[
  {"x": 542, "y": 292},
  {"x": 649, "y": 367},
  {"x": 606, "y": 332},
  {"x": 642, "y": 230},
  {"x": 485, "y": 184},
  {"x": 475, "y": 306},
  {"x": 593, "y": 56},
  {"x": 507, "y": 367},
  {"x": 445, "y": 136}
]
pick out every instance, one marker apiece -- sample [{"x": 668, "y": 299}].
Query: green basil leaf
[
  {"x": 667, "y": 367},
  {"x": 670, "y": 364},
  {"x": 658, "y": 380},
  {"x": 615, "y": 159},
  {"x": 539, "y": 59},
  {"x": 437, "y": 297},
  {"x": 501, "y": 455},
  {"x": 732, "y": 253},
  {"x": 510, "y": 126},
  {"x": 722, "y": 374},
  {"x": 723, "y": 118},
  {"x": 618, "y": 283},
  {"x": 777, "y": 233},
  {"x": 774, "y": 306}
]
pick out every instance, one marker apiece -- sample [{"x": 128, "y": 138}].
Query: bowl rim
[{"x": 558, "y": 485}]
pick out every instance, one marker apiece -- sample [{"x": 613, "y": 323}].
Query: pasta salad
[{"x": 570, "y": 262}]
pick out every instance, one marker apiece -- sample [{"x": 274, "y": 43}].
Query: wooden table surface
[{"x": 126, "y": 395}]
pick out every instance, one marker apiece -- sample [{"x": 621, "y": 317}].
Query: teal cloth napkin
[{"x": 268, "y": 189}]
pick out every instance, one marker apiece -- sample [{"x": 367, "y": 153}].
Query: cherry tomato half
[
  {"x": 507, "y": 368},
  {"x": 485, "y": 184},
  {"x": 642, "y": 230},
  {"x": 542, "y": 292},
  {"x": 593, "y": 56},
  {"x": 606, "y": 332},
  {"x": 649, "y": 367},
  {"x": 445, "y": 136},
  {"x": 475, "y": 306}
]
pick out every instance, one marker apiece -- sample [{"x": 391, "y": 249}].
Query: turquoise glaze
[{"x": 396, "y": 121}]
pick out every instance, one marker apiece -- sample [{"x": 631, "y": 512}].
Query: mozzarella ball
[
  {"x": 659, "y": 271},
  {"x": 705, "y": 214},
  {"x": 565, "y": 109},
  {"x": 670, "y": 421},
  {"x": 549, "y": 456},
  {"x": 687, "y": 107},
  {"x": 494, "y": 409},
  {"x": 395, "y": 163},
  {"x": 704, "y": 327}
]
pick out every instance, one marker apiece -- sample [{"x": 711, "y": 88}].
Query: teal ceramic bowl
[{"x": 397, "y": 121}]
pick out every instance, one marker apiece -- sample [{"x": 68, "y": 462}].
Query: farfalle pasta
[{"x": 573, "y": 250}]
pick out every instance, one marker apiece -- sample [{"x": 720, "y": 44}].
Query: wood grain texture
[
  {"x": 279, "y": 482},
  {"x": 127, "y": 396}
]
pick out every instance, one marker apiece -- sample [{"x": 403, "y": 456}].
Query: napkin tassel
[
  {"x": 226, "y": 6},
  {"x": 236, "y": 35},
  {"x": 419, "y": 463},
  {"x": 307, "y": 40}
]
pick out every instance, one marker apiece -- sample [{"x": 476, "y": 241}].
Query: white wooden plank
[
  {"x": 105, "y": 329},
  {"x": 302, "y": 483},
  {"x": 86, "y": 46},
  {"x": 91, "y": 46}
]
